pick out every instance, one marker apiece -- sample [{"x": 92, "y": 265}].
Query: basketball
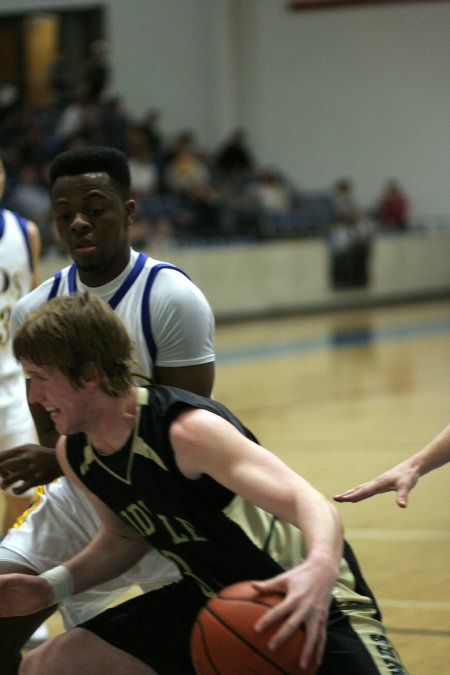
[{"x": 224, "y": 641}]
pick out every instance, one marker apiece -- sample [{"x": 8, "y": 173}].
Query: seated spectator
[
  {"x": 29, "y": 197},
  {"x": 78, "y": 118},
  {"x": 60, "y": 79},
  {"x": 197, "y": 215},
  {"x": 235, "y": 155},
  {"x": 150, "y": 126},
  {"x": 113, "y": 123},
  {"x": 272, "y": 199},
  {"x": 237, "y": 214},
  {"x": 154, "y": 221},
  {"x": 9, "y": 99},
  {"x": 96, "y": 71},
  {"x": 143, "y": 170},
  {"x": 392, "y": 210},
  {"x": 185, "y": 168}
]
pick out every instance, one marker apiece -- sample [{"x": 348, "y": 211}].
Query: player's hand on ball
[{"x": 307, "y": 596}]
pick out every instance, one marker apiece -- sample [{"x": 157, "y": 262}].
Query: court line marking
[
  {"x": 423, "y": 632},
  {"x": 398, "y": 535},
  {"x": 341, "y": 339},
  {"x": 415, "y": 604}
]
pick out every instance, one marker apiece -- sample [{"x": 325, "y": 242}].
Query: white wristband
[{"x": 61, "y": 582}]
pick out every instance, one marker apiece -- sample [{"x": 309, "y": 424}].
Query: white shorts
[{"x": 59, "y": 525}]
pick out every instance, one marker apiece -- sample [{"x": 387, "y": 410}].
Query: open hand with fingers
[
  {"x": 307, "y": 590},
  {"x": 401, "y": 479}
]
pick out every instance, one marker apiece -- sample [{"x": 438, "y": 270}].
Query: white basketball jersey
[
  {"x": 16, "y": 269},
  {"x": 168, "y": 317}
]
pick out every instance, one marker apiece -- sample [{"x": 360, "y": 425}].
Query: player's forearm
[
  {"x": 107, "y": 556},
  {"x": 321, "y": 527},
  {"x": 433, "y": 455}
]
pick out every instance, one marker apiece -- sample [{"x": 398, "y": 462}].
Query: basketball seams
[
  {"x": 224, "y": 640},
  {"x": 253, "y": 601},
  {"x": 239, "y": 635},
  {"x": 199, "y": 626}
]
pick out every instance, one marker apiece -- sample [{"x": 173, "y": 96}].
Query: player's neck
[
  {"x": 114, "y": 423},
  {"x": 105, "y": 273}
]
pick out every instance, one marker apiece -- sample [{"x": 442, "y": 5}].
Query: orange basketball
[{"x": 224, "y": 641}]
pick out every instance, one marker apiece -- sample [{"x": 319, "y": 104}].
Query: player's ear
[
  {"x": 130, "y": 210},
  {"x": 90, "y": 378}
]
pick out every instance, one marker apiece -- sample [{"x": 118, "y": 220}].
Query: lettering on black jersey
[{"x": 141, "y": 519}]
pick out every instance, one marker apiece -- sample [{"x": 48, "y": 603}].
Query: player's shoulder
[
  {"x": 164, "y": 269},
  {"x": 31, "y": 301},
  {"x": 171, "y": 282},
  {"x": 10, "y": 221}
]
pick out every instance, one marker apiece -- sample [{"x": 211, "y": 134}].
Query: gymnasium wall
[
  {"x": 292, "y": 276},
  {"x": 361, "y": 91}
]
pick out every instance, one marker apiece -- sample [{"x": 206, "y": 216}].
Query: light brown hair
[{"x": 74, "y": 333}]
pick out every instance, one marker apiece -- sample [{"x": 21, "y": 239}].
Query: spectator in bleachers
[
  {"x": 95, "y": 71},
  {"x": 235, "y": 155},
  {"x": 30, "y": 197},
  {"x": 237, "y": 214},
  {"x": 143, "y": 170},
  {"x": 272, "y": 199},
  {"x": 114, "y": 123},
  {"x": 60, "y": 80},
  {"x": 81, "y": 117},
  {"x": 150, "y": 124},
  {"x": 197, "y": 214},
  {"x": 350, "y": 239},
  {"x": 392, "y": 210},
  {"x": 154, "y": 222},
  {"x": 185, "y": 168},
  {"x": 9, "y": 99}
]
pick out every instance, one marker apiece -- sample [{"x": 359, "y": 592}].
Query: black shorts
[{"x": 156, "y": 627}]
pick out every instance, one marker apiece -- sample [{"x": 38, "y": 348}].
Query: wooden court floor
[{"x": 341, "y": 397}]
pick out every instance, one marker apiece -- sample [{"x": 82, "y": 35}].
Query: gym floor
[{"x": 341, "y": 397}]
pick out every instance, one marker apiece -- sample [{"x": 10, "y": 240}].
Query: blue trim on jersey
[
  {"x": 121, "y": 292},
  {"x": 71, "y": 279},
  {"x": 129, "y": 281},
  {"x": 2, "y": 224},
  {"x": 145, "y": 310},
  {"x": 55, "y": 286}
]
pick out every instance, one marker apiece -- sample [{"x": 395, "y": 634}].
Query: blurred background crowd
[{"x": 185, "y": 194}]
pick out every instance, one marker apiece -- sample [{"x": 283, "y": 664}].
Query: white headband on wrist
[{"x": 61, "y": 582}]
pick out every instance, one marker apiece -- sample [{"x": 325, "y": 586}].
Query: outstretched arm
[
  {"x": 205, "y": 443},
  {"x": 404, "y": 476},
  {"x": 108, "y": 555}
]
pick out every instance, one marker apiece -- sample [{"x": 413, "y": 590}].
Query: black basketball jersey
[{"x": 183, "y": 519}]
